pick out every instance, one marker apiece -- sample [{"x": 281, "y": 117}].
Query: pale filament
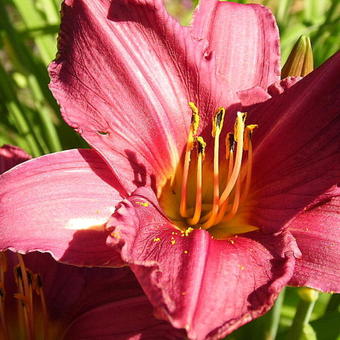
[
  {"x": 230, "y": 158},
  {"x": 198, "y": 204},
  {"x": 236, "y": 202},
  {"x": 190, "y": 144},
  {"x": 217, "y": 123},
  {"x": 238, "y": 158},
  {"x": 249, "y": 168}
]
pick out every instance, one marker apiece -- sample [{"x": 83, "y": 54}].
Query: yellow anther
[
  {"x": 201, "y": 145},
  {"x": 247, "y": 135},
  {"x": 217, "y": 121},
  {"x": 239, "y": 125},
  {"x": 195, "y": 118},
  {"x": 142, "y": 204}
]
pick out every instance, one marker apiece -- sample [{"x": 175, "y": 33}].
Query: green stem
[
  {"x": 303, "y": 313},
  {"x": 273, "y": 319},
  {"x": 267, "y": 327}
]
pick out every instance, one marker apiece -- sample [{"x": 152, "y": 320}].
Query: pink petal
[
  {"x": 124, "y": 76},
  {"x": 317, "y": 232},
  {"x": 210, "y": 287},
  {"x": 244, "y": 40},
  {"x": 10, "y": 156},
  {"x": 59, "y": 203},
  {"x": 296, "y": 147},
  {"x": 122, "y": 320}
]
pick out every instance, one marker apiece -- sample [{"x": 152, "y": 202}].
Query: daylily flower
[
  {"x": 214, "y": 210},
  {"x": 43, "y": 299}
]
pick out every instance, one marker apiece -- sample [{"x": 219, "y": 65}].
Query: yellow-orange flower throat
[{"x": 208, "y": 194}]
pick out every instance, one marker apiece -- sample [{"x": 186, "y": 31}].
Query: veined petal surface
[
  {"x": 209, "y": 287},
  {"x": 124, "y": 75},
  {"x": 243, "y": 39},
  {"x": 59, "y": 203}
]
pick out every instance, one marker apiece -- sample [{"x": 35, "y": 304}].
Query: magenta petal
[
  {"x": 59, "y": 203},
  {"x": 209, "y": 287},
  {"x": 317, "y": 232},
  {"x": 296, "y": 147},
  {"x": 10, "y": 156},
  {"x": 244, "y": 40},
  {"x": 124, "y": 76}
]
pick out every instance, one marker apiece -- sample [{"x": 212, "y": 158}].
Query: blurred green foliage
[{"x": 30, "y": 117}]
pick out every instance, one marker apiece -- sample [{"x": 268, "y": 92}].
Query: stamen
[
  {"x": 40, "y": 292},
  {"x": 236, "y": 202},
  {"x": 198, "y": 205},
  {"x": 25, "y": 297},
  {"x": 195, "y": 118},
  {"x": 248, "y": 147},
  {"x": 239, "y": 137},
  {"x": 217, "y": 124},
  {"x": 27, "y": 282},
  {"x": 230, "y": 147}
]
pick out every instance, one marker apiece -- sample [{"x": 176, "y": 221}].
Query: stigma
[{"x": 213, "y": 189}]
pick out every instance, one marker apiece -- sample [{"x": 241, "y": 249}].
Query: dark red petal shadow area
[
  {"x": 296, "y": 147},
  {"x": 207, "y": 286},
  {"x": 10, "y": 156},
  {"x": 127, "y": 319}
]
